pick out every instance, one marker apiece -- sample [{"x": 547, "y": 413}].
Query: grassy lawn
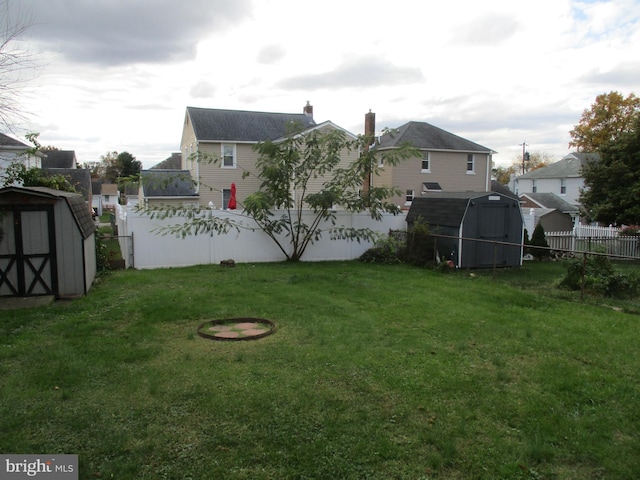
[{"x": 375, "y": 372}]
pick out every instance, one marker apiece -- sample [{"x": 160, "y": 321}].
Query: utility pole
[{"x": 525, "y": 156}]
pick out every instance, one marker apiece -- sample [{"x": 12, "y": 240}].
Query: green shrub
[
  {"x": 387, "y": 252},
  {"x": 102, "y": 255},
  {"x": 539, "y": 239},
  {"x": 420, "y": 245},
  {"x": 600, "y": 278}
]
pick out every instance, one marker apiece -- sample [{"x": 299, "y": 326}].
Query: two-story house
[
  {"x": 563, "y": 178},
  {"x": 448, "y": 163},
  {"x": 217, "y": 149}
]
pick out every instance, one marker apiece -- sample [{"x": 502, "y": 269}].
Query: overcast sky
[{"x": 118, "y": 75}]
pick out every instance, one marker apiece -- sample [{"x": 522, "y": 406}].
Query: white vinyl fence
[
  {"x": 249, "y": 244},
  {"x": 584, "y": 238}
]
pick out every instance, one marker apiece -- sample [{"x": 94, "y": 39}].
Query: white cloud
[{"x": 498, "y": 72}]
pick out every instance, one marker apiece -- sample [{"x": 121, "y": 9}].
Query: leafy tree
[
  {"x": 288, "y": 209},
  {"x": 33, "y": 177},
  {"x": 609, "y": 117},
  {"x": 612, "y": 184},
  {"x": 114, "y": 166},
  {"x": 538, "y": 244},
  {"x": 536, "y": 160}
]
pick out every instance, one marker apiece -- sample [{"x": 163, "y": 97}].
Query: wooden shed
[
  {"x": 479, "y": 224},
  {"x": 47, "y": 245}
]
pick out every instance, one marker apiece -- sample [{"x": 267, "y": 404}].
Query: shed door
[
  {"x": 27, "y": 252},
  {"x": 493, "y": 225}
]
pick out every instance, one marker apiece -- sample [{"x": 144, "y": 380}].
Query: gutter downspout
[
  {"x": 198, "y": 167},
  {"x": 488, "y": 179}
]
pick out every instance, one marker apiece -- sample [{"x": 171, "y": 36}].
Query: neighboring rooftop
[
  {"x": 174, "y": 162},
  {"x": 570, "y": 166},
  {"x": 59, "y": 159},
  {"x": 213, "y": 125},
  {"x": 7, "y": 141},
  {"x": 425, "y": 136},
  {"x": 552, "y": 201},
  {"x": 167, "y": 183}
]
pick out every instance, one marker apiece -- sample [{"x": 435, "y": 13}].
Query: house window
[
  {"x": 426, "y": 163},
  {"x": 228, "y": 156},
  {"x": 471, "y": 164},
  {"x": 534, "y": 187},
  {"x": 409, "y": 197},
  {"x": 563, "y": 187}
]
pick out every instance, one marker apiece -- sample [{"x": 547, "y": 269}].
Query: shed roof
[
  {"x": 167, "y": 183},
  {"x": 210, "y": 124},
  {"x": 425, "y": 136},
  {"x": 446, "y": 209},
  {"x": 77, "y": 205}
]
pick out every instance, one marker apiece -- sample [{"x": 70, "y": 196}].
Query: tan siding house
[
  {"x": 449, "y": 163},
  {"x": 218, "y": 149}
]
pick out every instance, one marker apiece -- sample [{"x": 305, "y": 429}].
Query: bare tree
[{"x": 17, "y": 64}]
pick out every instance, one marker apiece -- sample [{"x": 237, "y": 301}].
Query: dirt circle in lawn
[{"x": 236, "y": 329}]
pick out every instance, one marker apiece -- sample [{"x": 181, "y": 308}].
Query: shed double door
[{"x": 27, "y": 252}]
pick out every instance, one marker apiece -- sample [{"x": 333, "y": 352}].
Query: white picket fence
[
  {"x": 151, "y": 249},
  {"x": 584, "y": 238}
]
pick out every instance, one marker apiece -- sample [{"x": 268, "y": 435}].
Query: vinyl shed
[
  {"x": 480, "y": 225},
  {"x": 47, "y": 245}
]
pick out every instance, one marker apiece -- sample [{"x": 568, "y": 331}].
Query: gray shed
[
  {"x": 477, "y": 221},
  {"x": 47, "y": 245}
]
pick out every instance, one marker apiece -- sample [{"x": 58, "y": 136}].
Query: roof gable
[
  {"x": 109, "y": 189},
  {"x": 213, "y": 125},
  {"x": 7, "y": 141},
  {"x": 425, "y": 136}
]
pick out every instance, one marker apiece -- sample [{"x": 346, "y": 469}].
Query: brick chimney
[
  {"x": 370, "y": 126},
  {"x": 370, "y": 134},
  {"x": 308, "y": 109}
]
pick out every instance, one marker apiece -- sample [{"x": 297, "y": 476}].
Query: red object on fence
[{"x": 232, "y": 198}]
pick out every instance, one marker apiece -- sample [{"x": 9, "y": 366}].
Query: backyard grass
[{"x": 374, "y": 372}]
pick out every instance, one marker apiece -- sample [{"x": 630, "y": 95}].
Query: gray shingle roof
[
  {"x": 428, "y": 137},
  {"x": 443, "y": 209},
  {"x": 570, "y": 166},
  {"x": 80, "y": 178},
  {"x": 7, "y": 141},
  {"x": 167, "y": 183},
  {"x": 59, "y": 159},
  {"x": 212, "y": 124},
  {"x": 551, "y": 200}
]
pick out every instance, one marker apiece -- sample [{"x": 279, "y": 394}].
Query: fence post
[
  {"x": 495, "y": 258},
  {"x": 584, "y": 272}
]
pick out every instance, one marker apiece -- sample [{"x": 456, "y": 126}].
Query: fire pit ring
[{"x": 236, "y": 329}]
